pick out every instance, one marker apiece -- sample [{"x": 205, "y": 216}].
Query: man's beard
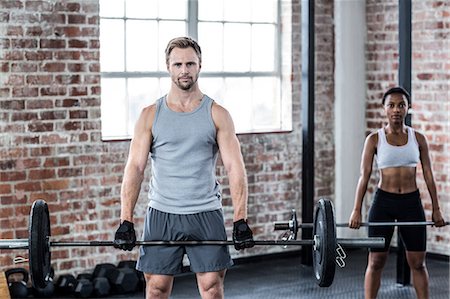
[{"x": 186, "y": 85}]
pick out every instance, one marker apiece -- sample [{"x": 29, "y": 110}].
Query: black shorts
[{"x": 387, "y": 207}]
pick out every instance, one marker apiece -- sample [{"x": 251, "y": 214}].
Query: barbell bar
[
  {"x": 345, "y": 242},
  {"x": 324, "y": 243},
  {"x": 288, "y": 225}
]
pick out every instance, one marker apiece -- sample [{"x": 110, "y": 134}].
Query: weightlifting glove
[
  {"x": 125, "y": 237},
  {"x": 242, "y": 235}
]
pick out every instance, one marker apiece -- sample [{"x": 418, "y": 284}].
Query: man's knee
[
  {"x": 158, "y": 286},
  {"x": 211, "y": 284}
]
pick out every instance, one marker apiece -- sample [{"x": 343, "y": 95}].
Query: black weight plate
[
  {"x": 38, "y": 244},
  {"x": 324, "y": 254}
]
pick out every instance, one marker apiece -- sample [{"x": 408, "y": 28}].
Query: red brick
[
  {"x": 23, "y": 116},
  {"x": 76, "y": 19},
  {"x": 48, "y": 115},
  {"x": 14, "y": 30},
  {"x": 39, "y": 79},
  {"x": 76, "y": 43},
  {"x": 40, "y": 127},
  {"x": 24, "y": 67},
  {"x": 38, "y": 55},
  {"x": 78, "y": 91},
  {"x": 73, "y": 125},
  {"x": 54, "y": 67},
  {"x": 5, "y": 189},
  {"x": 24, "y": 43},
  {"x": 67, "y": 6},
  {"x": 39, "y": 104},
  {"x": 53, "y": 91},
  {"x": 52, "y": 43},
  {"x": 28, "y": 187},
  {"x": 72, "y": 172},
  {"x": 68, "y": 79},
  {"x": 57, "y": 162},
  {"x": 55, "y": 185},
  {"x": 54, "y": 139},
  {"x": 34, "y": 31},
  {"x": 41, "y": 174},
  {"x": 20, "y": 92}
]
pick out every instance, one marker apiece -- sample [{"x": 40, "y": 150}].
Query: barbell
[
  {"x": 293, "y": 225},
  {"x": 324, "y": 243}
]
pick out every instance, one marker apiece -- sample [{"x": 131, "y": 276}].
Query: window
[{"x": 241, "y": 59}]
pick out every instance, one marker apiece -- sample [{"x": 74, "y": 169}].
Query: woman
[{"x": 398, "y": 149}]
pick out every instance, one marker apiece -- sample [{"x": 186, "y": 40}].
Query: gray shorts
[{"x": 167, "y": 260}]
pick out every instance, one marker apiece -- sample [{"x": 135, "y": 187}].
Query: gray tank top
[{"x": 184, "y": 154}]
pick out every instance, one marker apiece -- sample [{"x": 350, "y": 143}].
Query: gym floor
[{"x": 284, "y": 277}]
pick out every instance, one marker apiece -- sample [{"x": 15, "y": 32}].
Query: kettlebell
[
  {"x": 17, "y": 289},
  {"x": 48, "y": 291}
]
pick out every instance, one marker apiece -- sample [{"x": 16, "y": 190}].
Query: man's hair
[
  {"x": 397, "y": 89},
  {"x": 183, "y": 43}
]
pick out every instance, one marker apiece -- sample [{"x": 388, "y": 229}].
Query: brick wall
[
  {"x": 430, "y": 89},
  {"x": 50, "y": 138}
]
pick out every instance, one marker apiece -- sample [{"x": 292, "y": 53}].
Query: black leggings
[{"x": 387, "y": 207}]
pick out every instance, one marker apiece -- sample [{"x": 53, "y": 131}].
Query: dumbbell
[
  {"x": 65, "y": 285},
  {"x": 99, "y": 285},
  {"x": 123, "y": 280},
  {"x": 17, "y": 289},
  {"x": 132, "y": 265},
  {"x": 83, "y": 288}
]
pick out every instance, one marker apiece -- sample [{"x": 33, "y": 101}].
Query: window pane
[
  {"x": 266, "y": 103},
  {"x": 141, "y": 8},
  {"x": 172, "y": 9},
  {"x": 113, "y": 108},
  {"x": 210, "y": 37},
  {"x": 167, "y": 31},
  {"x": 112, "y": 8},
  {"x": 141, "y": 93},
  {"x": 263, "y": 47},
  {"x": 141, "y": 46},
  {"x": 237, "y": 47},
  {"x": 164, "y": 86},
  {"x": 238, "y": 101},
  {"x": 111, "y": 45},
  {"x": 214, "y": 88},
  {"x": 237, "y": 10},
  {"x": 210, "y": 10},
  {"x": 264, "y": 11}
]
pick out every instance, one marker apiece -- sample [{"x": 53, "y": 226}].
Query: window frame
[{"x": 192, "y": 22}]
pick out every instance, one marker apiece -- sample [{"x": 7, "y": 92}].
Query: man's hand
[
  {"x": 125, "y": 237},
  {"x": 242, "y": 235}
]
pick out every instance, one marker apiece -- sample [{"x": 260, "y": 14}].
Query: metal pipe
[
  {"x": 361, "y": 242},
  {"x": 181, "y": 243},
  {"x": 285, "y": 225},
  {"x": 14, "y": 244}
]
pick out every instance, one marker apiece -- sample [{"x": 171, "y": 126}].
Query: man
[{"x": 184, "y": 131}]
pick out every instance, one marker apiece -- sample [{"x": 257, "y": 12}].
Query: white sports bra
[{"x": 389, "y": 155}]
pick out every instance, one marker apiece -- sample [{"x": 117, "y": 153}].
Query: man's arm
[
  {"x": 230, "y": 152},
  {"x": 137, "y": 161}
]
